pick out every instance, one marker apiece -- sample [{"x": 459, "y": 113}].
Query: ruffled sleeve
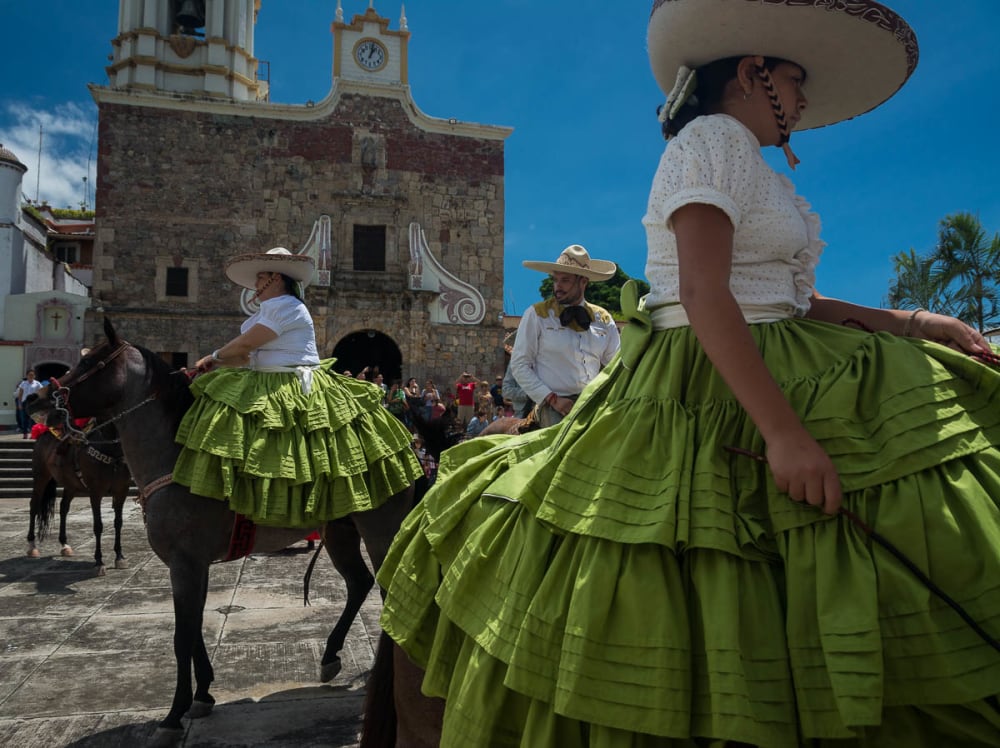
[
  {"x": 714, "y": 161},
  {"x": 279, "y": 315}
]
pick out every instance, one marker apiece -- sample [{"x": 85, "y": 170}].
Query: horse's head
[{"x": 94, "y": 387}]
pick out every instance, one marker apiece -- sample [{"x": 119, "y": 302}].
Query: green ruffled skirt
[
  {"x": 284, "y": 458},
  {"x": 622, "y": 580}
]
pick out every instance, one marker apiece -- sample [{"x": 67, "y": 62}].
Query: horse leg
[
  {"x": 95, "y": 511},
  {"x": 343, "y": 544},
  {"x": 395, "y": 710},
  {"x": 118, "y": 502},
  {"x": 67, "y": 498},
  {"x": 189, "y": 586}
]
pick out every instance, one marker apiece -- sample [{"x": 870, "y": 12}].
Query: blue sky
[{"x": 572, "y": 78}]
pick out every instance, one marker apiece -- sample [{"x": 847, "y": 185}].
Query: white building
[{"x": 42, "y": 300}]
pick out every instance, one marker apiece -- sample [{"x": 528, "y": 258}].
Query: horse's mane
[{"x": 171, "y": 386}]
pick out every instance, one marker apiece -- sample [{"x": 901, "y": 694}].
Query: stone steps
[{"x": 16, "y": 479}]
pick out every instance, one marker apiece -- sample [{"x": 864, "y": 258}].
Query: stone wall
[{"x": 183, "y": 188}]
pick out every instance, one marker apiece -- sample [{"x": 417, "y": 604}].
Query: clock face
[{"x": 370, "y": 54}]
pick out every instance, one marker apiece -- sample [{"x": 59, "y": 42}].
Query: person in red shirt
[{"x": 465, "y": 391}]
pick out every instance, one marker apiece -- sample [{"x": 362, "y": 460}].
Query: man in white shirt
[
  {"x": 28, "y": 386},
  {"x": 563, "y": 342}
]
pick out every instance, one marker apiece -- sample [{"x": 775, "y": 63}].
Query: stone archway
[{"x": 369, "y": 348}]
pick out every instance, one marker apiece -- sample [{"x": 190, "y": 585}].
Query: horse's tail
[
  {"x": 378, "y": 729},
  {"x": 309, "y": 572},
  {"x": 43, "y": 506}
]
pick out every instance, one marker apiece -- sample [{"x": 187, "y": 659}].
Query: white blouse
[
  {"x": 716, "y": 160},
  {"x": 296, "y": 341}
]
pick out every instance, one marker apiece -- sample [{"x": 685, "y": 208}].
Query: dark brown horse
[
  {"x": 82, "y": 463},
  {"x": 133, "y": 388}
]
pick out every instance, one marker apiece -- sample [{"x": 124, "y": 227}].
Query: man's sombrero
[
  {"x": 243, "y": 269},
  {"x": 855, "y": 54},
  {"x": 575, "y": 260}
]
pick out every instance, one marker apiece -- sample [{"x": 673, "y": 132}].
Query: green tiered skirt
[
  {"x": 622, "y": 580},
  {"x": 284, "y": 458}
]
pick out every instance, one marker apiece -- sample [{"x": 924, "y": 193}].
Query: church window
[
  {"x": 177, "y": 282},
  {"x": 369, "y": 248},
  {"x": 176, "y": 279},
  {"x": 67, "y": 252}
]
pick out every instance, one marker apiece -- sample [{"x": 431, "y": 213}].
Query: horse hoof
[
  {"x": 66, "y": 551},
  {"x": 121, "y": 563},
  {"x": 329, "y": 670},
  {"x": 199, "y": 709},
  {"x": 33, "y": 553},
  {"x": 166, "y": 737},
  {"x": 102, "y": 570}
]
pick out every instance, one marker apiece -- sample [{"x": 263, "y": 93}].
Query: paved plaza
[{"x": 88, "y": 660}]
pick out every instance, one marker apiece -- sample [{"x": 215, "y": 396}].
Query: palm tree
[
  {"x": 967, "y": 263},
  {"x": 917, "y": 285}
]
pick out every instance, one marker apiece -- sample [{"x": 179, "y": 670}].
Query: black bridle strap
[{"x": 98, "y": 367}]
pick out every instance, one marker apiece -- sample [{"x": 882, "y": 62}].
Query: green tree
[
  {"x": 917, "y": 285},
  {"x": 969, "y": 265},
  {"x": 959, "y": 277},
  {"x": 603, "y": 293}
]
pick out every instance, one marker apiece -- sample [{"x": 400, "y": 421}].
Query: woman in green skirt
[
  {"x": 273, "y": 430},
  {"x": 670, "y": 566}
]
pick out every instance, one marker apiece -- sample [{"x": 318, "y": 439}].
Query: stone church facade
[{"x": 404, "y": 213}]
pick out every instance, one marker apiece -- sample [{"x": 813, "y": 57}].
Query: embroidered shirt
[
  {"x": 548, "y": 357},
  {"x": 717, "y": 161}
]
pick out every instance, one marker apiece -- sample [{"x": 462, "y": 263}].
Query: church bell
[{"x": 191, "y": 15}]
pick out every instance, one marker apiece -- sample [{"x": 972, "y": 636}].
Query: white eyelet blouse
[{"x": 717, "y": 161}]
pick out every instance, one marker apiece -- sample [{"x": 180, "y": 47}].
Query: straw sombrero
[
  {"x": 856, "y": 54},
  {"x": 243, "y": 269},
  {"x": 575, "y": 260}
]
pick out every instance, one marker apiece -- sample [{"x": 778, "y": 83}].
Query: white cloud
[{"x": 68, "y": 153}]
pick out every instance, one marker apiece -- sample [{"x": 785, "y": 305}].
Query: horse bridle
[{"x": 61, "y": 393}]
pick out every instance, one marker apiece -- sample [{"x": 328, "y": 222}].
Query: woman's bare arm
[
  {"x": 237, "y": 351},
  {"x": 705, "y": 246}
]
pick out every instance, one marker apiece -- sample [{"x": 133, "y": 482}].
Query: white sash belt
[
  {"x": 673, "y": 315},
  {"x": 304, "y": 373}
]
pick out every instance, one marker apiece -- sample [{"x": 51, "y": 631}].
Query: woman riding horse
[{"x": 272, "y": 430}]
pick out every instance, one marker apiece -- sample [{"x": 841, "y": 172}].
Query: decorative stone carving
[{"x": 458, "y": 303}]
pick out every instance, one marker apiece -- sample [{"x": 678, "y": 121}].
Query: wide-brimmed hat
[
  {"x": 855, "y": 54},
  {"x": 576, "y": 261},
  {"x": 243, "y": 269}
]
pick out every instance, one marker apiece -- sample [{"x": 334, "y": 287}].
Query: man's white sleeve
[
  {"x": 614, "y": 343},
  {"x": 525, "y": 354}
]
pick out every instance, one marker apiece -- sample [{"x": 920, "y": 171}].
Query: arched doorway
[
  {"x": 50, "y": 369},
  {"x": 372, "y": 349}
]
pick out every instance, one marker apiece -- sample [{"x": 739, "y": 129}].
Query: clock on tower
[{"x": 366, "y": 50}]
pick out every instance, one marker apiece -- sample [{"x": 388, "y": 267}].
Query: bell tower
[{"x": 195, "y": 47}]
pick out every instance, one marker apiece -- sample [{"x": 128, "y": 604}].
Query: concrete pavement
[{"x": 88, "y": 660}]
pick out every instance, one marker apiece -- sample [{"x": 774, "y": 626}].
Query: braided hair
[{"x": 711, "y": 86}]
